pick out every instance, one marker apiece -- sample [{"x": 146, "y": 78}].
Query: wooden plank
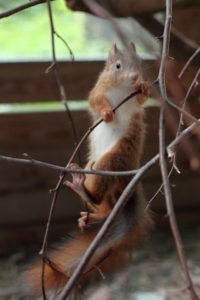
[
  {"x": 44, "y": 136},
  {"x": 24, "y": 196},
  {"x": 32, "y": 206},
  {"x": 27, "y": 81},
  {"x": 47, "y": 137},
  {"x": 53, "y": 129},
  {"x": 185, "y": 192}
]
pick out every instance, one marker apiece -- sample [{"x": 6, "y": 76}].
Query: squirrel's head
[{"x": 124, "y": 67}]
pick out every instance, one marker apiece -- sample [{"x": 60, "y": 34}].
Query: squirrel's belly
[
  {"x": 106, "y": 135},
  {"x": 103, "y": 138}
]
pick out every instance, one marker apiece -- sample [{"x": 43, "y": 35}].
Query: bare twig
[
  {"x": 189, "y": 115},
  {"x": 159, "y": 190},
  {"x": 192, "y": 85},
  {"x": 65, "y": 169},
  {"x": 163, "y": 165},
  {"x": 66, "y": 45},
  {"x": 58, "y": 76},
  {"x": 189, "y": 62},
  {"x": 20, "y": 8},
  {"x": 183, "y": 112},
  {"x": 61, "y": 87}
]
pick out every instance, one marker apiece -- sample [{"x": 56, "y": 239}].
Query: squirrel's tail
[
  {"x": 110, "y": 255},
  {"x": 59, "y": 266},
  {"x": 61, "y": 263}
]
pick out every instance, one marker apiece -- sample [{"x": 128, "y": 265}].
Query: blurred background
[{"x": 33, "y": 120}]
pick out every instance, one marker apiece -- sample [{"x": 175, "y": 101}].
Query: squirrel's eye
[{"x": 118, "y": 66}]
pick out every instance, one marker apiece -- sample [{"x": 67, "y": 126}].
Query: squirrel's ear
[
  {"x": 113, "y": 51},
  {"x": 132, "y": 46}
]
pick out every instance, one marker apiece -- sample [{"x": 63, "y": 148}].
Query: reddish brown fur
[
  {"x": 129, "y": 146},
  {"x": 132, "y": 225},
  {"x": 112, "y": 260}
]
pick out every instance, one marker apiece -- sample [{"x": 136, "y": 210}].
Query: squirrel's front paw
[
  {"x": 88, "y": 218},
  {"x": 145, "y": 88},
  {"x": 78, "y": 179},
  {"x": 83, "y": 220},
  {"x": 107, "y": 115}
]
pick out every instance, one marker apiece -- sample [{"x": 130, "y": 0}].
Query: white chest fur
[{"x": 106, "y": 135}]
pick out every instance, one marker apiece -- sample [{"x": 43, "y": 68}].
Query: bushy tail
[
  {"x": 111, "y": 255},
  {"x": 58, "y": 267}
]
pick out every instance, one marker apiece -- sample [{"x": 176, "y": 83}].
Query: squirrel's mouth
[
  {"x": 129, "y": 84},
  {"x": 129, "y": 81}
]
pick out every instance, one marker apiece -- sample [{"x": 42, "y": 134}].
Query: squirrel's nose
[{"x": 134, "y": 77}]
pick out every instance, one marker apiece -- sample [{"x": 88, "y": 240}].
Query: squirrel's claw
[
  {"x": 78, "y": 180},
  {"x": 88, "y": 218},
  {"x": 107, "y": 115},
  {"x": 83, "y": 220}
]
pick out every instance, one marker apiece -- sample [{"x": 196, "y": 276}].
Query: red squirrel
[{"x": 115, "y": 145}]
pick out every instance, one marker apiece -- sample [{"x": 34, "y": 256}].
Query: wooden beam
[
  {"x": 27, "y": 81},
  {"x": 24, "y": 189}
]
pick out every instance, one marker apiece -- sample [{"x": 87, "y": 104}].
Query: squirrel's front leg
[
  {"x": 77, "y": 185},
  {"x": 102, "y": 107},
  {"x": 144, "y": 86}
]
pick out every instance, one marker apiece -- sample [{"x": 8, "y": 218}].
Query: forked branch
[{"x": 163, "y": 164}]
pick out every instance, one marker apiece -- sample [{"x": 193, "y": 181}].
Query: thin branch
[
  {"x": 192, "y": 85},
  {"x": 189, "y": 62},
  {"x": 163, "y": 165},
  {"x": 58, "y": 76},
  {"x": 178, "y": 132},
  {"x": 159, "y": 190},
  {"x": 66, "y": 44},
  {"x": 61, "y": 177},
  {"x": 65, "y": 170},
  {"x": 117, "y": 208},
  {"x": 172, "y": 104},
  {"x": 20, "y": 8}
]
